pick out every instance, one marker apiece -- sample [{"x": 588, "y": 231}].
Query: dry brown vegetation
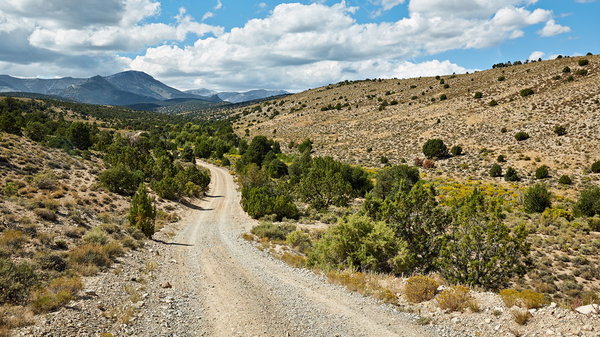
[
  {"x": 59, "y": 223},
  {"x": 360, "y": 132}
]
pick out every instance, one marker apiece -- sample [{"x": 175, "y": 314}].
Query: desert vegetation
[{"x": 81, "y": 185}]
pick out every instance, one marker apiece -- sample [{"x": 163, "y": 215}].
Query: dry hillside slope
[{"x": 363, "y": 129}]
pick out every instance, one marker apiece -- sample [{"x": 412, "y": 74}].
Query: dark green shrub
[
  {"x": 566, "y": 69},
  {"x": 501, "y": 78},
  {"x": 142, "y": 212},
  {"x": 481, "y": 250},
  {"x": 356, "y": 242},
  {"x": 536, "y": 199},
  {"x": 263, "y": 200},
  {"x": 560, "y": 130},
  {"x": 277, "y": 169},
  {"x": 443, "y": 97},
  {"x": 583, "y": 62},
  {"x": 456, "y": 150},
  {"x": 526, "y": 92},
  {"x": 54, "y": 262},
  {"x": 501, "y": 159},
  {"x": 119, "y": 179},
  {"x": 496, "y": 171},
  {"x": 588, "y": 203},
  {"x": 511, "y": 175},
  {"x": 80, "y": 135},
  {"x": 521, "y": 135},
  {"x": 435, "y": 148},
  {"x": 306, "y": 145},
  {"x": 542, "y": 172},
  {"x": 16, "y": 281},
  {"x": 393, "y": 179},
  {"x": 581, "y": 72},
  {"x": 493, "y": 103},
  {"x": 272, "y": 231},
  {"x": 478, "y": 95},
  {"x": 596, "y": 167},
  {"x": 565, "y": 180},
  {"x": 418, "y": 220}
]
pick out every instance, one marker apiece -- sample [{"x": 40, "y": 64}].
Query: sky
[{"x": 242, "y": 44}]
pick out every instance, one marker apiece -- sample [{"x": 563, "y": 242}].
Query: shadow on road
[
  {"x": 172, "y": 243},
  {"x": 214, "y": 196},
  {"x": 192, "y": 206}
]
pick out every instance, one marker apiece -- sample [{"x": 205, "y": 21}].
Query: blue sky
[{"x": 240, "y": 44}]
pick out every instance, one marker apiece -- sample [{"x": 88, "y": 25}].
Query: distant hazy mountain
[
  {"x": 126, "y": 88},
  {"x": 239, "y": 97}
]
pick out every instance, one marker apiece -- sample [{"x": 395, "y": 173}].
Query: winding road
[{"x": 238, "y": 290}]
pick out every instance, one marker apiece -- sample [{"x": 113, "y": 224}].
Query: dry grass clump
[
  {"x": 58, "y": 293},
  {"x": 89, "y": 258},
  {"x": 296, "y": 261},
  {"x": 457, "y": 298},
  {"x": 14, "y": 317},
  {"x": 366, "y": 284},
  {"x": 527, "y": 299},
  {"x": 12, "y": 239},
  {"x": 420, "y": 288},
  {"x": 521, "y": 316},
  {"x": 45, "y": 214}
]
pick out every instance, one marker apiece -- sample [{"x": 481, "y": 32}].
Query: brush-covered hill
[{"x": 363, "y": 121}]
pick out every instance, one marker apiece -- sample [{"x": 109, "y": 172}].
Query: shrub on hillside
[
  {"x": 272, "y": 231},
  {"x": 393, "y": 179},
  {"x": 560, "y": 130},
  {"x": 583, "y": 62},
  {"x": 456, "y": 298},
  {"x": 57, "y": 294},
  {"x": 456, "y": 150},
  {"x": 420, "y": 288},
  {"x": 526, "y": 92},
  {"x": 527, "y": 299},
  {"x": 565, "y": 180},
  {"x": 481, "y": 250},
  {"x": 521, "y": 135},
  {"x": 443, "y": 97},
  {"x": 356, "y": 242},
  {"x": 119, "y": 179},
  {"x": 588, "y": 203},
  {"x": 566, "y": 70},
  {"x": 596, "y": 167},
  {"x": 435, "y": 148},
  {"x": 16, "y": 281},
  {"x": 496, "y": 170},
  {"x": 581, "y": 72},
  {"x": 542, "y": 172},
  {"x": 478, "y": 95},
  {"x": 511, "y": 174},
  {"x": 493, "y": 103},
  {"x": 536, "y": 199},
  {"x": 142, "y": 212}
]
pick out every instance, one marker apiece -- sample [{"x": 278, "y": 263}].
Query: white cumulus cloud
[{"x": 552, "y": 28}]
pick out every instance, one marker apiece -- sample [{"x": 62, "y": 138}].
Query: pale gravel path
[{"x": 238, "y": 290}]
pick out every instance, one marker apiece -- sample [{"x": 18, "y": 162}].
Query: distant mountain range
[
  {"x": 130, "y": 88},
  {"x": 239, "y": 97}
]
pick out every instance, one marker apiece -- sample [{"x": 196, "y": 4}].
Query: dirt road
[{"x": 238, "y": 290}]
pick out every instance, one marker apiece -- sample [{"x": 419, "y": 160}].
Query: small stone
[
  {"x": 589, "y": 309},
  {"x": 552, "y": 305},
  {"x": 587, "y": 327},
  {"x": 488, "y": 320},
  {"x": 166, "y": 285}
]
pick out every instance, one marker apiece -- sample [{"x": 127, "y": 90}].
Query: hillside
[{"x": 362, "y": 121}]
